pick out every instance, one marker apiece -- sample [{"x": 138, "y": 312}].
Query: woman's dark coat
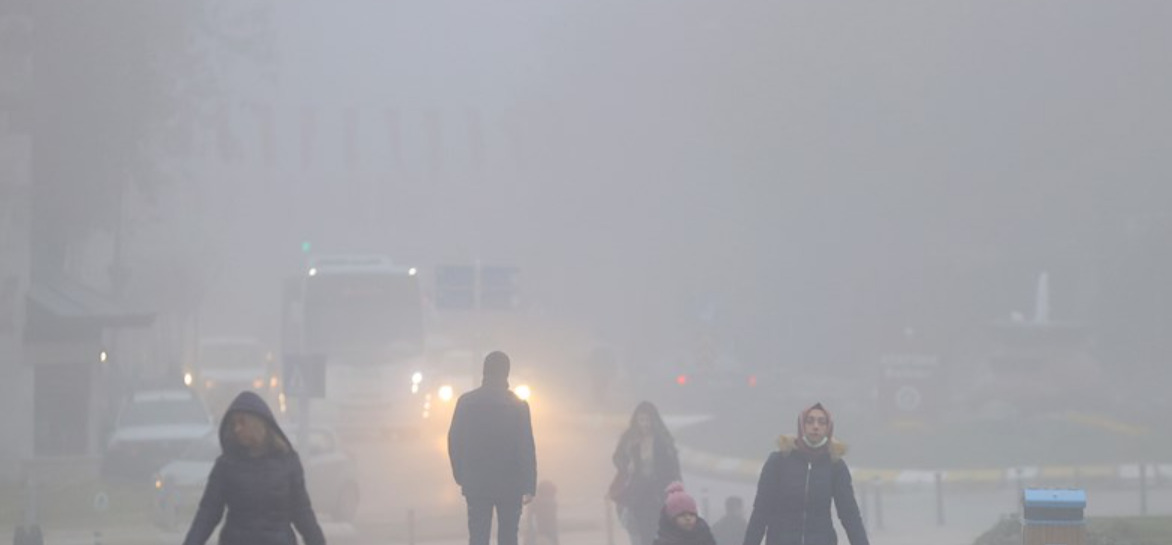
[{"x": 265, "y": 497}]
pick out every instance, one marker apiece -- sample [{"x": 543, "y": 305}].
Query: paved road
[{"x": 574, "y": 451}]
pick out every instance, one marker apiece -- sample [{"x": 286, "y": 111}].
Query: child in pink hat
[{"x": 680, "y": 522}]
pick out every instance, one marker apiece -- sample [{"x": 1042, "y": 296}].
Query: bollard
[
  {"x": 939, "y": 499},
  {"x": 878, "y": 493},
  {"x": 704, "y": 504},
  {"x": 97, "y": 537},
  {"x": 410, "y": 527},
  {"x": 1143, "y": 490},
  {"x": 32, "y": 502},
  {"x": 864, "y": 491},
  {"x": 608, "y": 517}
]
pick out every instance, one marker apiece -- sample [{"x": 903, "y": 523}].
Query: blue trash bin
[{"x": 1053, "y": 516}]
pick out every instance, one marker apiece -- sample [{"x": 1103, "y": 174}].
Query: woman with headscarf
[
  {"x": 647, "y": 462},
  {"x": 799, "y": 482},
  {"x": 259, "y": 480}
]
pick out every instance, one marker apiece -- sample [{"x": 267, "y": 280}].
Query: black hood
[{"x": 248, "y": 402}]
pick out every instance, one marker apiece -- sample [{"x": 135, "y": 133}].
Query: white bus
[{"x": 364, "y": 314}]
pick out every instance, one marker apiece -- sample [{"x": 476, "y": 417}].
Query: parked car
[
  {"x": 154, "y": 426},
  {"x": 330, "y": 476},
  {"x": 687, "y": 383}
]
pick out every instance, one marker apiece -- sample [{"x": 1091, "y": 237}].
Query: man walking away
[{"x": 490, "y": 444}]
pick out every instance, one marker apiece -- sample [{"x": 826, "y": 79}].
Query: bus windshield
[{"x": 363, "y": 313}]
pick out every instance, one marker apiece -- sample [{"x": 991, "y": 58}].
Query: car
[
  {"x": 689, "y": 383},
  {"x": 154, "y": 426},
  {"x": 330, "y": 476},
  {"x": 227, "y": 366}
]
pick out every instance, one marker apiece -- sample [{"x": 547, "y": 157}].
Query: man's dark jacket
[{"x": 490, "y": 443}]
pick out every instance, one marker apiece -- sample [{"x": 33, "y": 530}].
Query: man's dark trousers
[{"x": 508, "y": 519}]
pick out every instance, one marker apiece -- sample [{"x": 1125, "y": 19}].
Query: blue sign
[
  {"x": 455, "y": 287},
  {"x": 499, "y": 287}
]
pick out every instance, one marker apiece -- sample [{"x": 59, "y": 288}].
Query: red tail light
[
  {"x": 752, "y": 380},
  {"x": 682, "y": 380}
]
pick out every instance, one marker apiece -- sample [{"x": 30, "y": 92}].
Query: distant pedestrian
[
  {"x": 542, "y": 525},
  {"x": 491, "y": 448},
  {"x": 259, "y": 480},
  {"x": 799, "y": 482},
  {"x": 646, "y": 462},
  {"x": 679, "y": 521},
  {"x": 730, "y": 529}
]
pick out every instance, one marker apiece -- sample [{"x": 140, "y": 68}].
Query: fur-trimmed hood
[{"x": 789, "y": 443}]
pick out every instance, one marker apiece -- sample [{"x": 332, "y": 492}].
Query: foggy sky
[{"x": 818, "y": 171}]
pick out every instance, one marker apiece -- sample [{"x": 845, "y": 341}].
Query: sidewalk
[
  {"x": 933, "y": 536},
  {"x": 150, "y": 535}
]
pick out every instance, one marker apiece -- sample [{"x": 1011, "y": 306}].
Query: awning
[{"x": 71, "y": 302}]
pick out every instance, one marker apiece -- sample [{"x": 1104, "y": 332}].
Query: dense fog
[{"x": 947, "y": 222}]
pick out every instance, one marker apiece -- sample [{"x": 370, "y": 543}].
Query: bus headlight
[
  {"x": 523, "y": 392},
  {"x": 446, "y": 393}
]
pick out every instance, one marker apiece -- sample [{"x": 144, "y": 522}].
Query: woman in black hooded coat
[{"x": 259, "y": 480}]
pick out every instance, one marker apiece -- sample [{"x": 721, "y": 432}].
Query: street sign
[
  {"x": 304, "y": 375},
  {"x": 498, "y": 288},
  {"x": 455, "y": 287},
  {"x": 101, "y": 502},
  {"x": 910, "y": 384}
]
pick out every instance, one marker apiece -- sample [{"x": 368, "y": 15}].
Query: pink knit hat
[{"x": 678, "y": 502}]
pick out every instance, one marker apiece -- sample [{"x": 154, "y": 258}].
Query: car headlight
[
  {"x": 258, "y": 383},
  {"x": 446, "y": 393},
  {"x": 523, "y": 392},
  {"x": 158, "y": 481},
  {"x": 188, "y": 378}
]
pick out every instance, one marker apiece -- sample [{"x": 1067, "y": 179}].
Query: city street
[{"x": 410, "y": 479}]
